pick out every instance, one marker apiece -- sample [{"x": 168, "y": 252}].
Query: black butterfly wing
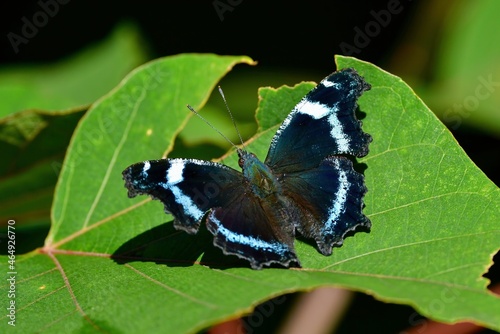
[
  {"x": 329, "y": 200},
  {"x": 187, "y": 187},
  {"x": 242, "y": 225},
  {"x": 322, "y": 124},
  {"x": 254, "y": 230},
  {"x": 306, "y": 155}
]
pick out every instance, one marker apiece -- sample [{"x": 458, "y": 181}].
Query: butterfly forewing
[
  {"x": 322, "y": 124},
  {"x": 187, "y": 187}
]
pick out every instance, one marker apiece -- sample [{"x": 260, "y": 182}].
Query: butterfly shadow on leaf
[{"x": 165, "y": 245}]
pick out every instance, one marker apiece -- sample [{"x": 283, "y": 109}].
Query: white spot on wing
[
  {"x": 338, "y": 133},
  {"x": 338, "y": 205},
  {"x": 314, "y": 109},
  {"x": 145, "y": 168},
  {"x": 174, "y": 176},
  {"x": 174, "y": 173},
  {"x": 328, "y": 84}
]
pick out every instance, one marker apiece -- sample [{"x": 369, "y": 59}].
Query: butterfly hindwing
[
  {"x": 254, "y": 230},
  {"x": 329, "y": 200},
  {"x": 323, "y": 123}
]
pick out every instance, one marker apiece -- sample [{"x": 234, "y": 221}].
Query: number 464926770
[{"x": 11, "y": 243}]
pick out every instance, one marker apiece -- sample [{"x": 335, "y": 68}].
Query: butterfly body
[
  {"x": 259, "y": 176},
  {"x": 306, "y": 184}
]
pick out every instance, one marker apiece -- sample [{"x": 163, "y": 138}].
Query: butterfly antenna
[
  {"x": 209, "y": 124},
  {"x": 231, "y": 114}
]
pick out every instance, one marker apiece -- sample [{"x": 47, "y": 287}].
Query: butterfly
[{"x": 306, "y": 184}]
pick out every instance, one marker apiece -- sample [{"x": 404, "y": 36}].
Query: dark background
[{"x": 281, "y": 35}]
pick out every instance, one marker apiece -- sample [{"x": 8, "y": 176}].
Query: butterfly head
[{"x": 242, "y": 156}]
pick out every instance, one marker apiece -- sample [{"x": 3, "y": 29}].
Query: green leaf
[
  {"x": 74, "y": 82},
  {"x": 110, "y": 263},
  {"x": 42, "y": 105},
  {"x": 33, "y": 144},
  {"x": 434, "y": 213}
]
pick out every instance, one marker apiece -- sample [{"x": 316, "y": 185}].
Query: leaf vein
[
  {"x": 71, "y": 292},
  {"x": 171, "y": 289},
  {"x": 114, "y": 157},
  {"x": 406, "y": 245}
]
